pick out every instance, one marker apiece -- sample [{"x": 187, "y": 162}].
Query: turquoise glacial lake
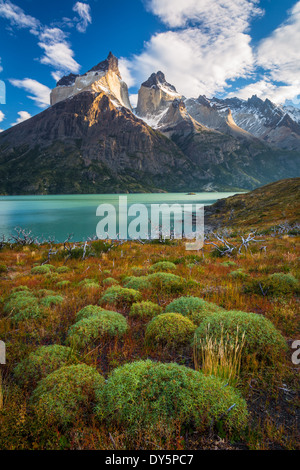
[{"x": 58, "y": 216}]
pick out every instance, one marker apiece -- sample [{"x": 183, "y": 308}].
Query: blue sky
[{"x": 213, "y": 47}]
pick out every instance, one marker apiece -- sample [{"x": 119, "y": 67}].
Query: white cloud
[
  {"x": 217, "y": 14},
  {"x": 1, "y": 68},
  {"x": 266, "y": 89},
  {"x": 280, "y": 53},
  {"x": 125, "y": 71},
  {"x": 2, "y": 116},
  {"x": 133, "y": 98},
  {"x": 208, "y": 47},
  {"x": 40, "y": 93},
  {"x": 57, "y": 51},
  {"x": 17, "y": 17},
  {"x": 59, "y": 55},
  {"x": 23, "y": 116},
  {"x": 84, "y": 12},
  {"x": 195, "y": 62},
  {"x": 57, "y": 75}
]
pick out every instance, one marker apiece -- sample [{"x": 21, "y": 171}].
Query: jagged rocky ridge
[{"x": 90, "y": 141}]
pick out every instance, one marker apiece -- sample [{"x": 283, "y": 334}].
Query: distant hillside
[{"x": 267, "y": 206}]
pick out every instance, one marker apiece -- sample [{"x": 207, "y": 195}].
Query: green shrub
[
  {"x": 20, "y": 289},
  {"x": 42, "y": 362},
  {"x": 110, "y": 281},
  {"x": 228, "y": 264},
  {"x": 162, "y": 266},
  {"x": 120, "y": 297},
  {"x": 138, "y": 270},
  {"x": 145, "y": 309},
  {"x": 89, "y": 284},
  {"x": 45, "y": 292},
  {"x": 137, "y": 283},
  {"x": 62, "y": 284},
  {"x": 63, "y": 269},
  {"x": 166, "y": 282},
  {"x": 87, "y": 311},
  {"x": 52, "y": 300},
  {"x": 275, "y": 284},
  {"x": 238, "y": 274},
  {"x": 194, "y": 308},
  {"x": 44, "y": 269},
  {"x": 22, "y": 305},
  {"x": 68, "y": 393},
  {"x": 170, "y": 329},
  {"x": 262, "y": 340},
  {"x": 96, "y": 328},
  {"x": 148, "y": 395}
]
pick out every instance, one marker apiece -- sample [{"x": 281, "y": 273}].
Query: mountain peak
[
  {"x": 111, "y": 63},
  {"x": 157, "y": 80}
]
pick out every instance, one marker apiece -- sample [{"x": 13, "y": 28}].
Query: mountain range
[{"x": 90, "y": 140}]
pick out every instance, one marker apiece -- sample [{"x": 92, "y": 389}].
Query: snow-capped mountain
[
  {"x": 276, "y": 125},
  {"x": 104, "y": 77}
]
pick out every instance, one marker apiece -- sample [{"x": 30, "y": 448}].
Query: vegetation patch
[
  {"x": 120, "y": 297},
  {"x": 42, "y": 362},
  {"x": 162, "y": 266},
  {"x": 170, "y": 329},
  {"x": 261, "y": 339},
  {"x": 166, "y": 282},
  {"x": 137, "y": 283},
  {"x": 149, "y": 395},
  {"x": 88, "y": 311},
  {"x": 274, "y": 285},
  {"x": 145, "y": 310},
  {"x": 194, "y": 308},
  {"x": 96, "y": 329},
  {"x": 69, "y": 393}
]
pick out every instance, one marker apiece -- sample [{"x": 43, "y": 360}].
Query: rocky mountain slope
[
  {"x": 90, "y": 141},
  {"x": 210, "y": 137},
  {"x": 279, "y": 126},
  {"x": 268, "y": 206}
]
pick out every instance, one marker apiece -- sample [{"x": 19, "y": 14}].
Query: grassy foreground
[{"x": 95, "y": 387}]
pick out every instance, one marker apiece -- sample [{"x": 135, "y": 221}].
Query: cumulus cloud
[
  {"x": 279, "y": 56},
  {"x": 84, "y": 12},
  {"x": 280, "y": 53},
  {"x": 133, "y": 98},
  {"x": 2, "y": 116},
  {"x": 23, "y": 116},
  {"x": 266, "y": 89},
  {"x": 208, "y": 44},
  {"x": 216, "y": 15},
  {"x": 40, "y": 93}
]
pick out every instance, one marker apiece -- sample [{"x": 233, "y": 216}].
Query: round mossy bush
[
  {"x": 89, "y": 284},
  {"x": 51, "y": 300},
  {"x": 147, "y": 394},
  {"x": 110, "y": 281},
  {"x": 63, "y": 284},
  {"x": 194, "y": 308},
  {"x": 63, "y": 269},
  {"x": 97, "y": 328},
  {"x": 145, "y": 310},
  {"x": 261, "y": 339},
  {"x": 88, "y": 311},
  {"x": 162, "y": 266},
  {"x": 137, "y": 283},
  {"x": 44, "y": 269},
  {"x": 68, "y": 393},
  {"x": 120, "y": 297},
  {"x": 42, "y": 362},
  {"x": 22, "y": 305},
  {"x": 170, "y": 329},
  {"x": 166, "y": 282},
  {"x": 275, "y": 285}
]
